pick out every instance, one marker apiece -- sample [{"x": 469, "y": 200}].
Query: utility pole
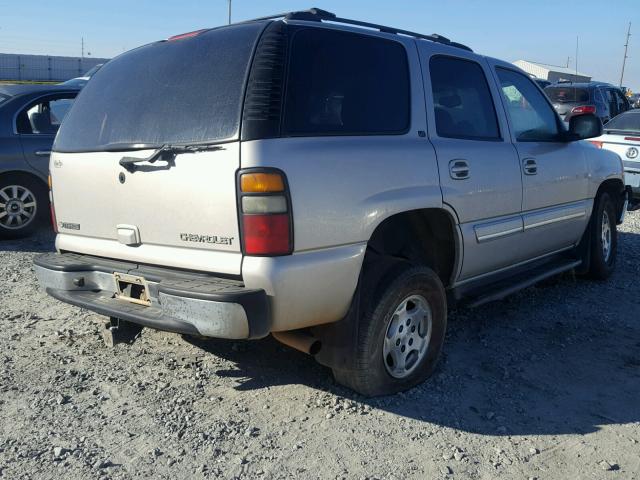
[
  {"x": 229, "y": 3},
  {"x": 624, "y": 60}
]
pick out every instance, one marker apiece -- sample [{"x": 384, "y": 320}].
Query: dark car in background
[
  {"x": 30, "y": 116},
  {"x": 634, "y": 100},
  {"x": 601, "y": 99}
]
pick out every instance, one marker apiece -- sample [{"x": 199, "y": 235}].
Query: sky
[{"x": 541, "y": 30}]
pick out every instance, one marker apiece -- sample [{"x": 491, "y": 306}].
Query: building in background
[
  {"x": 44, "y": 68},
  {"x": 551, "y": 72}
]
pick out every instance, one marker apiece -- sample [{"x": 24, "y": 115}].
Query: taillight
[
  {"x": 265, "y": 212},
  {"x": 632, "y": 139},
  {"x": 596, "y": 143},
  {"x": 52, "y": 210},
  {"x": 583, "y": 109}
]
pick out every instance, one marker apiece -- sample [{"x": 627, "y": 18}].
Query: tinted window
[
  {"x": 171, "y": 92},
  {"x": 609, "y": 99},
  {"x": 626, "y": 121},
  {"x": 621, "y": 101},
  {"x": 346, "y": 84},
  {"x": 43, "y": 117},
  {"x": 531, "y": 116},
  {"x": 567, "y": 94},
  {"x": 462, "y": 100}
]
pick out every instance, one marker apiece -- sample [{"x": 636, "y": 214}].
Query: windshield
[
  {"x": 629, "y": 121},
  {"x": 171, "y": 92},
  {"x": 567, "y": 94}
]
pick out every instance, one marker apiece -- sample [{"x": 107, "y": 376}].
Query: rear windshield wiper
[{"x": 166, "y": 153}]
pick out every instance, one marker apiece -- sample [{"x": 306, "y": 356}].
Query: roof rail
[{"x": 319, "y": 15}]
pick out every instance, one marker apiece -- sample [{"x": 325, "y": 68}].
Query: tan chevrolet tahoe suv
[{"x": 331, "y": 182}]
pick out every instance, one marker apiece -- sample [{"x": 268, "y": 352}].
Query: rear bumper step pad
[{"x": 182, "y": 302}]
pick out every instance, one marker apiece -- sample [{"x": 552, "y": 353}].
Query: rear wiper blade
[{"x": 166, "y": 153}]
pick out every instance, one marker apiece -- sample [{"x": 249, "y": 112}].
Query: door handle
[
  {"x": 529, "y": 166},
  {"x": 459, "y": 169},
  {"x": 42, "y": 153}
]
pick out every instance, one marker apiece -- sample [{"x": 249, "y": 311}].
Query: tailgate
[{"x": 182, "y": 215}]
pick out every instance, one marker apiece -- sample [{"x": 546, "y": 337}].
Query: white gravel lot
[{"x": 544, "y": 385}]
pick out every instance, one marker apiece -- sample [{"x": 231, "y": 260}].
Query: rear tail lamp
[
  {"x": 265, "y": 213},
  {"x": 632, "y": 139},
  {"x": 596, "y": 143},
  {"x": 583, "y": 109},
  {"x": 52, "y": 210}
]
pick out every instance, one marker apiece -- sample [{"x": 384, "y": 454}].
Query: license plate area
[{"x": 132, "y": 288}]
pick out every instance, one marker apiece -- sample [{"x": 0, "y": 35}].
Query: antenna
[
  {"x": 624, "y": 59},
  {"x": 229, "y": 3},
  {"x": 82, "y": 43},
  {"x": 576, "y": 79}
]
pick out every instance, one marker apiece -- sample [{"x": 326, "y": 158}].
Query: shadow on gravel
[
  {"x": 559, "y": 358},
  {"x": 41, "y": 241}
]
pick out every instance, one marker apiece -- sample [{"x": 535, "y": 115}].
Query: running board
[{"x": 474, "y": 297}]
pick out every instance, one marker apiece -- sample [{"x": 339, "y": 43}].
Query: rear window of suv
[
  {"x": 342, "y": 83},
  {"x": 567, "y": 94},
  {"x": 172, "y": 92}
]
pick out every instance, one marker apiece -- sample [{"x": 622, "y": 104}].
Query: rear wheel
[
  {"x": 23, "y": 205},
  {"x": 604, "y": 238},
  {"x": 401, "y": 332}
]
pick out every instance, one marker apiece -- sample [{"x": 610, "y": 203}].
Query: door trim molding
[
  {"x": 498, "y": 229},
  {"x": 548, "y": 216}
]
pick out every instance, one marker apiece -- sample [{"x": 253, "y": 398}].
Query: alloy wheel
[
  {"x": 407, "y": 336},
  {"x": 18, "y": 207}
]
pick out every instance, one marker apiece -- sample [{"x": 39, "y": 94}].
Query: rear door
[
  {"x": 479, "y": 168},
  {"x": 555, "y": 203},
  {"x": 176, "y": 211},
  {"x": 37, "y": 124}
]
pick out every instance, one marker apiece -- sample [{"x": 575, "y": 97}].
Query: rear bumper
[
  {"x": 632, "y": 178},
  {"x": 181, "y": 302}
]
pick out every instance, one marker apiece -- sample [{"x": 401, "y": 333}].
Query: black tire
[
  {"x": 601, "y": 264},
  {"x": 369, "y": 375},
  {"x": 39, "y": 213}
]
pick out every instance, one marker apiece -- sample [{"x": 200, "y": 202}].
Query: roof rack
[{"x": 319, "y": 15}]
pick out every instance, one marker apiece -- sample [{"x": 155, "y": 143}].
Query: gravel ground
[{"x": 543, "y": 385}]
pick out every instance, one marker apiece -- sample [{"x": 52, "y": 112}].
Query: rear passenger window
[
  {"x": 462, "y": 100},
  {"x": 44, "y": 117},
  {"x": 342, "y": 83}
]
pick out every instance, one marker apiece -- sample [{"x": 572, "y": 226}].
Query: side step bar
[{"x": 485, "y": 293}]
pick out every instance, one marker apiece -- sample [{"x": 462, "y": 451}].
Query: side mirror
[{"x": 584, "y": 126}]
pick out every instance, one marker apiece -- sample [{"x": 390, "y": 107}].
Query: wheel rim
[
  {"x": 407, "y": 337},
  {"x": 17, "y": 207},
  {"x": 606, "y": 236}
]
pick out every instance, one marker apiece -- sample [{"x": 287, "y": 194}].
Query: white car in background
[
  {"x": 82, "y": 81},
  {"x": 622, "y": 136}
]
